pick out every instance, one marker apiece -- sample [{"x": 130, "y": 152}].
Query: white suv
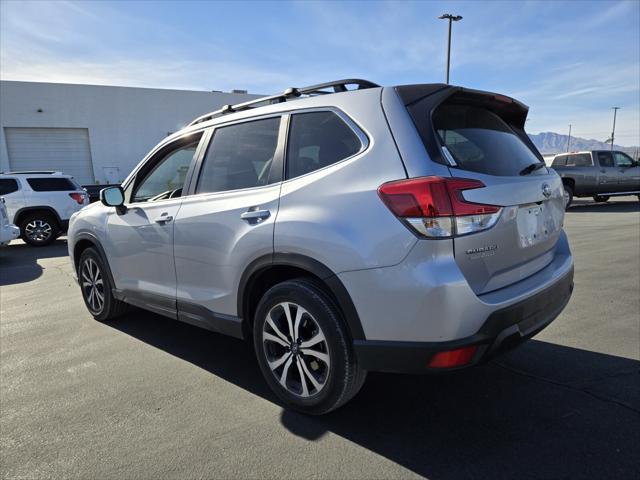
[{"x": 41, "y": 203}]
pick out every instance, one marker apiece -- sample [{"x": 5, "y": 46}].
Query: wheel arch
[
  {"x": 268, "y": 270},
  {"x": 87, "y": 240},
  {"x": 20, "y": 214}
]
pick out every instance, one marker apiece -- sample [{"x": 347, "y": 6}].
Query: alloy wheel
[
  {"x": 92, "y": 285},
  {"x": 296, "y": 349},
  {"x": 38, "y": 230}
]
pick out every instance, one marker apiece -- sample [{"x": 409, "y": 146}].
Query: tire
[
  {"x": 568, "y": 196},
  {"x": 92, "y": 274},
  {"x": 328, "y": 366},
  {"x": 39, "y": 229},
  {"x": 601, "y": 198}
]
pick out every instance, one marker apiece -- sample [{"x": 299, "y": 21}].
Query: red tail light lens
[
  {"x": 453, "y": 358},
  {"x": 423, "y": 202},
  {"x": 78, "y": 197}
]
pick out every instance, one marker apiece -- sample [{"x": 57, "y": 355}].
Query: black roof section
[{"x": 336, "y": 86}]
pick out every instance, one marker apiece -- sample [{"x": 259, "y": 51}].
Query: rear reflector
[
  {"x": 435, "y": 207},
  {"x": 453, "y": 358},
  {"x": 78, "y": 197}
]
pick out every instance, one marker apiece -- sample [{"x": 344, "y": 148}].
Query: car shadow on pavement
[
  {"x": 19, "y": 261},
  {"x": 612, "y": 206},
  {"x": 542, "y": 411}
]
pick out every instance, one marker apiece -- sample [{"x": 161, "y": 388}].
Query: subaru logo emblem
[{"x": 546, "y": 190}]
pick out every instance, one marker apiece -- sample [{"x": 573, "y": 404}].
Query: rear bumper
[
  {"x": 8, "y": 233},
  {"x": 503, "y": 330}
]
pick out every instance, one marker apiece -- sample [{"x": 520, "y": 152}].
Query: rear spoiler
[{"x": 422, "y": 99}]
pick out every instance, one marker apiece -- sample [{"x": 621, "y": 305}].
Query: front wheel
[
  {"x": 303, "y": 348},
  {"x": 601, "y": 198},
  {"x": 96, "y": 287}
]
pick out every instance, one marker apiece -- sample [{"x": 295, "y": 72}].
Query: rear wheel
[
  {"x": 568, "y": 196},
  {"x": 39, "y": 229},
  {"x": 601, "y": 198},
  {"x": 303, "y": 348},
  {"x": 96, "y": 287}
]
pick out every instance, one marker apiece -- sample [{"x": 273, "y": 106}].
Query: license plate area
[{"x": 536, "y": 224}]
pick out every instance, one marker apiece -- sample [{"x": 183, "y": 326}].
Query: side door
[
  {"x": 608, "y": 173},
  {"x": 13, "y": 196},
  {"x": 139, "y": 242},
  {"x": 228, "y": 219},
  {"x": 629, "y": 172}
]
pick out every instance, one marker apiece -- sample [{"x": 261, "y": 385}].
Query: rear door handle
[
  {"x": 255, "y": 215},
  {"x": 164, "y": 218}
]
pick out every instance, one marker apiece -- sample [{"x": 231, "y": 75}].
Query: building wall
[{"x": 123, "y": 123}]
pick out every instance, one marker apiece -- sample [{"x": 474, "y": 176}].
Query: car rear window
[
  {"x": 52, "y": 184},
  {"x": 579, "y": 160},
  {"x": 559, "y": 161},
  {"x": 478, "y": 140}
]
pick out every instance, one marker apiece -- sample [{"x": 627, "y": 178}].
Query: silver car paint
[
  {"x": 403, "y": 288},
  {"x": 426, "y": 298}
]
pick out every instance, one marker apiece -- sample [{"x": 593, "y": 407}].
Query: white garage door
[{"x": 60, "y": 149}]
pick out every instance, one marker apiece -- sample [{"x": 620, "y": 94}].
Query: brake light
[
  {"x": 78, "y": 197},
  {"x": 435, "y": 207},
  {"x": 453, "y": 358}
]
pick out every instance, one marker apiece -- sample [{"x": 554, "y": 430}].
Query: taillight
[
  {"x": 435, "y": 207},
  {"x": 78, "y": 197}
]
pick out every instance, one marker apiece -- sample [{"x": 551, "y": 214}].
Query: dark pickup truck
[{"x": 598, "y": 173}]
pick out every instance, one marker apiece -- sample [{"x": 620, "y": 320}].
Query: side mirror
[{"x": 113, "y": 197}]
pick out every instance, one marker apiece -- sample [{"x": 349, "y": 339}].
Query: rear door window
[
  {"x": 480, "y": 141},
  {"x": 8, "y": 185},
  {"x": 605, "y": 159},
  {"x": 317, "y": 140},
  {"x": 51, "y": 184}
]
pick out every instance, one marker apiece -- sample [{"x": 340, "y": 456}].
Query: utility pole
[
  {"x": 569, "y": 139},
  {"x": 451, "y": 18},
  {"x": 613, "y": 132}
]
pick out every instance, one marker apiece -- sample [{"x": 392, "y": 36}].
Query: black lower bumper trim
[{"x": 503, "y": 330}]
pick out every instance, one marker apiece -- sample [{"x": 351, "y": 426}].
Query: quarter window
[
  {"x": 241, "y": 156},
  {"x": 50, "y": 184},
  {"x": 168, "y": 174},
  {"x": 8, "y": 185},
  {"x": 317, "y": 140}
]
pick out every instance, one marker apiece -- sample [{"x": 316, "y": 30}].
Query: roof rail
[
  {"x": 32, "y": 172},
  {"x": 292, "y": 92}
]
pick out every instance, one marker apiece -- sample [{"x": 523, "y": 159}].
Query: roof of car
[{"x": 35, "y": 174}]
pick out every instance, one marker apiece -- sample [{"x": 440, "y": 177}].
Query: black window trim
[
  {"x": 355, "y": 128},
  {"x": 155, "y": 156}
]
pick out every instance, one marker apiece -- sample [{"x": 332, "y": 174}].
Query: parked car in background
[
  {"x": 405, "y": 229},
  {"x": 600, "y": 174},
  {"x": 8, "y": 231},
  {"x": 41, "y": 203}
]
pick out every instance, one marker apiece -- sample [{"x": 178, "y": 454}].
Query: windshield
[{"x": 480, "y": 141}]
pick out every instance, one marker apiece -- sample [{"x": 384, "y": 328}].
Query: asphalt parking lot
[{"x": 147, "y": 397}]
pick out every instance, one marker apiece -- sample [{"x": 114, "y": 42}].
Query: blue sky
[{"x": 569, "y": 61}]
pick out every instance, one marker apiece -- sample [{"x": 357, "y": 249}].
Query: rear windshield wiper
[{"x": 532, "y": 168}]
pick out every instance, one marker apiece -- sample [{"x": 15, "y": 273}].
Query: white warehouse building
[{"x": 95, "y": 133}]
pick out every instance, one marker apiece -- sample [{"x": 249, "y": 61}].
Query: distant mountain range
[{"x": 550, "y": 143}]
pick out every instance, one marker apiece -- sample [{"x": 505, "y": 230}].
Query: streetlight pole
[
  {"x": 569, "y": 139},
  {"x": 451, "y": 18},
  {"x": 613, "y": 132}
]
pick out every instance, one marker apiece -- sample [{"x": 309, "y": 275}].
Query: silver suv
[{"x": 344, "y": 228}]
